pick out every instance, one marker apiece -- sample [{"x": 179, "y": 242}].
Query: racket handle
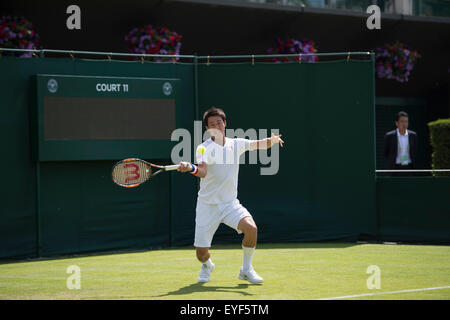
[{"x": 172, "y": 167}]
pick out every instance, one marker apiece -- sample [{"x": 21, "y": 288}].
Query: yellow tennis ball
[{"x": 201, "y": 149}]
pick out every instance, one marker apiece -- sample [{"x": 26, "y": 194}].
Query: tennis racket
[{"x": 132, "y": 172}]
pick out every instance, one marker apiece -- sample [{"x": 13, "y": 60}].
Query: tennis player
[{"x": 218, "y": 166}]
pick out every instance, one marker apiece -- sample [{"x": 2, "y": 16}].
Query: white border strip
[{"x": 380, "y": 293}]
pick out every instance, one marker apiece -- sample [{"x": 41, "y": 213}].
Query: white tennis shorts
[{"x": 208, "y": 217}]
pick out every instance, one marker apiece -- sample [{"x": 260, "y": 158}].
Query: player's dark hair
[
  {"x": 401, "y": 114},
  {"x": 212, "y": 112}
]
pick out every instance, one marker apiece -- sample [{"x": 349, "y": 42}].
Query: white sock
[
  {"x": 248, "y": 255},
  {"x": 208, "y": 263}
]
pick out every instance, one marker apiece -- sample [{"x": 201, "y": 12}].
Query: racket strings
[{"x": 131, "y": 173}]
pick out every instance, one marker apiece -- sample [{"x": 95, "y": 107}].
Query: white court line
[{"x": 380, "y": 293}]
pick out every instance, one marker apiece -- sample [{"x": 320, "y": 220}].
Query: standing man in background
[{"x": 400, "y": 146}]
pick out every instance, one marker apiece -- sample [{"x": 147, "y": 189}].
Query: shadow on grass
[
  {"x": 284, "y": 245},
  {"x": 200, "y": 287},
  {"x": 218, "y": 246}
]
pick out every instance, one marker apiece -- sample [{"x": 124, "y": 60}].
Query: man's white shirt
[
  {"x": 403, "y": 143},
  {"x": 221, "y": 181}
]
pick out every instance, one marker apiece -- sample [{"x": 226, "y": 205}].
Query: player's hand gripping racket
[{"x": 133, "y": 172}]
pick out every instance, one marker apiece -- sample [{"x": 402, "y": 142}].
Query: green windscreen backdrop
[
  {"x": 415, "y": 209},
  {"x": 70, "y": 206},
  {"x": 324, "y": 188}
]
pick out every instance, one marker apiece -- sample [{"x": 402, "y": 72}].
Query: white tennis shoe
[
  {"x": 250, "y": 275},
  {"x": 205, "y": 272}
]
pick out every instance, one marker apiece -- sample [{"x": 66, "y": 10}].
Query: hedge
[{"x": 440, "y": 141}]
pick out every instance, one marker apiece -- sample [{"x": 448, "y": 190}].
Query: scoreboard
[{"x": 102, "y": 118}]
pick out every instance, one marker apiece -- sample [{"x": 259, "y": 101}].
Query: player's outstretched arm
[
  {"x": 199, "y": 170},
  {"x": 266, "y": 143}
]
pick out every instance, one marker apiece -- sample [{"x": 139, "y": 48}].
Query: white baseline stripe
[{"x": 380, "y": 293}]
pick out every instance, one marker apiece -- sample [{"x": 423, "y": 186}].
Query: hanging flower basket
[
  {"x": 293, "y": 46},
  {"x": 150, "y": 40},
  {"x": 395, "y": 61},
  {"x": 17, "y": 33}
]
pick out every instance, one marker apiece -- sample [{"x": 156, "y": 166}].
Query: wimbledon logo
[
  {"x": 52, "y": 85},
  {"x": 167, "y": 88}
]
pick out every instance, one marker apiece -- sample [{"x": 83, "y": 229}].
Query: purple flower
[
  {"x": 398, "y": 61},
  {"x": 291, "y": 46}
]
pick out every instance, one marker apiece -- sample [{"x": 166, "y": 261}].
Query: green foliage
[{"x": 440, "y": 141}]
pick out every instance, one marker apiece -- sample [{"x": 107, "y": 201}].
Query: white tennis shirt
[{"x": 221, "y": 181}]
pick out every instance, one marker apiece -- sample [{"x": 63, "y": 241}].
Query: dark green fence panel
[
  {"x": 81, "y": 209},
  {"x": 415, "y": 209},
  {"x": 18, "y": 195},
  {"x": 324, "y": 189}
]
